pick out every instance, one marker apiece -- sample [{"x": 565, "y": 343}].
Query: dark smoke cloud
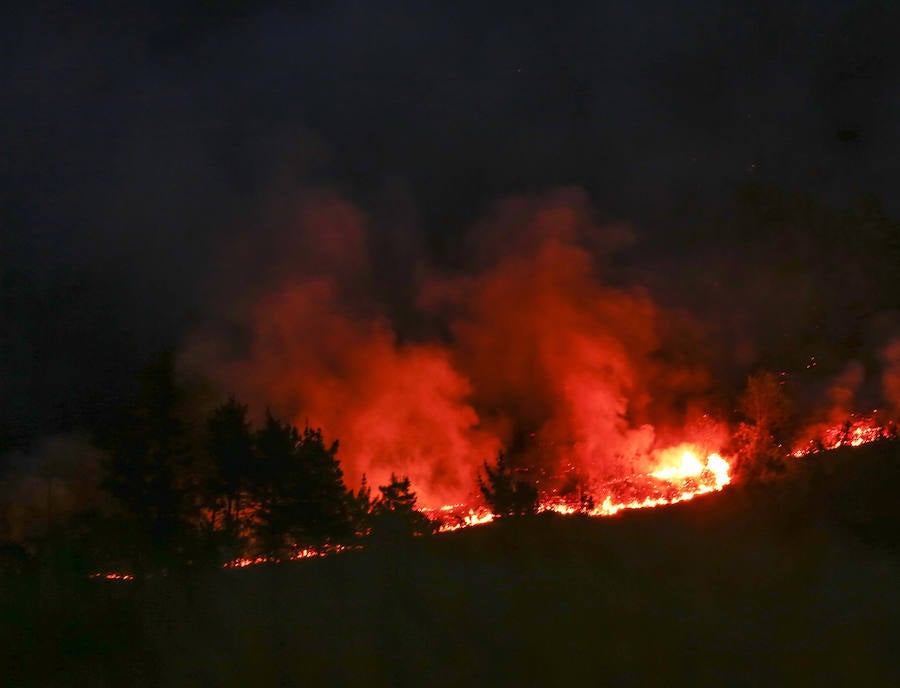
[
  {"x": 58, "y": 477},
  {"x": 140, "y": 145}
]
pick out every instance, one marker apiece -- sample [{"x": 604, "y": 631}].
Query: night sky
[{"x": 149, "y": 158}]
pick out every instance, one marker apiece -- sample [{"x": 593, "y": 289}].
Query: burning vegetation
[
  {"x": 537, "y": 379},
  {"x": 853, "y": 432},
  {"x": 277, "y": 493}
]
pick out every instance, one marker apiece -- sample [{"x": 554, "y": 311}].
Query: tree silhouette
[
  {"x": 230, "y": 447},
  {"x": 506, "y": 494},
  {"x": 276, "y": 445},
  {"x": 224, "y": 484},
  {"x": 322, "y": 495},
  {"x": 147, "y": 458},
  {"x": 361, "y": 509},
  {"x": 395, "y": 513},
  {"x": 299, "y": 488}
]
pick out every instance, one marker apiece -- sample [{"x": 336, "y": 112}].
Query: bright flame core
[{"x": 690, "y": 466}]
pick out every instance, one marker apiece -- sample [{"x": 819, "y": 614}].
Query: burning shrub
[
  {"x": 758, "y": 450},
  {"x": 758, "y": 457}
]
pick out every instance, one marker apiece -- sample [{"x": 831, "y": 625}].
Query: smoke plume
[{"x": 532, "y": 350}]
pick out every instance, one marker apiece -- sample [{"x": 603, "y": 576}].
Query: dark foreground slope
[{"x": 791, "y": 585}]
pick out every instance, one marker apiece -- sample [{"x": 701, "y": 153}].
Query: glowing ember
[
  {"x": 112, "y": 576},
  {"x": 300, "y": 553},
  {"x": 242, "y": 562}
]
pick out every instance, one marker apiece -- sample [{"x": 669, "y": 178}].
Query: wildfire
[
  {"x": 457, "y": 516},
  {"x": 681, "y": 481},
  {"x": 691, "y": 466},
  {"x": 851, "y": 433},
  {"x": 682, "y": 475}
]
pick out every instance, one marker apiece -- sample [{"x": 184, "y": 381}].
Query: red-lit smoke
[
  {"x": 554, "y": 352},
  {"x": 537, "y": 351}
]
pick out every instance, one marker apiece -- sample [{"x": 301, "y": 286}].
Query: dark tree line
[
  {"x": 228, "y": 489},
  {"x": 218, "y": 488},
  {"x": 188, "y": 490},
  {"x": 145, "y": 472},
  {"x": 234, "y": 489}
]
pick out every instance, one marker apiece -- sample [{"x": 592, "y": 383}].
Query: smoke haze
[{"x": 530, "y": 349}]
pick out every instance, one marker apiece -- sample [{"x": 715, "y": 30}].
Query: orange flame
[
  {"x": 684, "y": 474},
  {"x": 854, "y": 432}
]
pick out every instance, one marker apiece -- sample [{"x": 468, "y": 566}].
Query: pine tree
[
  {"x": 506, "y": 494},
  {"x": 361, "y": 508},
  {"x": 299, "y": 488},
  {"x": 230, "y": 447},
  {"x": 322, "y": 496},
  {"x": 395, "y": 513},
  {"x": 147, "y": 468},
  {"x": 276, "y": 444}
]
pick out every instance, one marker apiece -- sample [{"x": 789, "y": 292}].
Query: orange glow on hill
[
  {"x": 853, "y": 432},
  {"x": 682, "y": 476}
]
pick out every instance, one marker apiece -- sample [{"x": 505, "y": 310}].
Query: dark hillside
[{"x": 789, "y": 584}]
